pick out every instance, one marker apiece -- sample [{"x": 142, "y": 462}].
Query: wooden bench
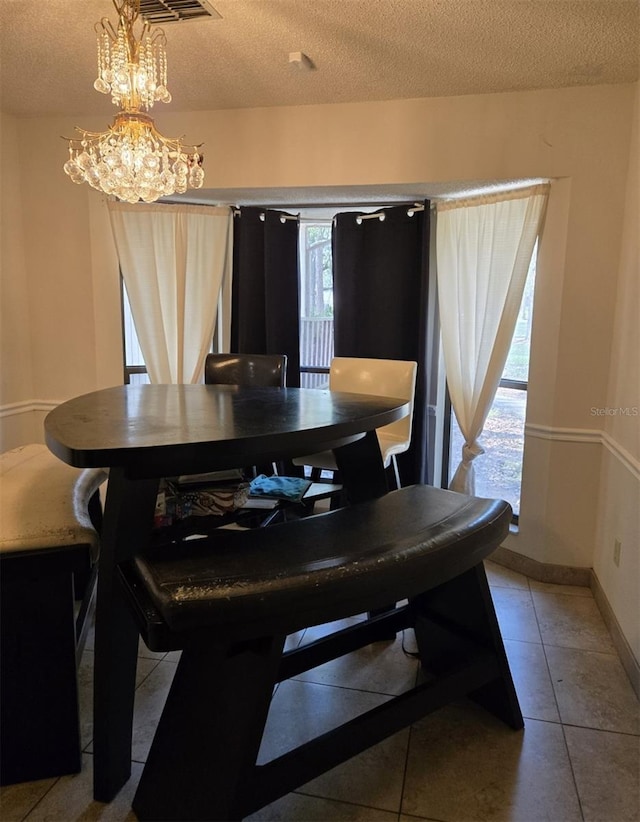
[
  {"x": 48, "y": 546},
  {"x": 229, "y": 601}
]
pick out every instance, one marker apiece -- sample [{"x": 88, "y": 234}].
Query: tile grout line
[
  {"x": 555, "y": 697},
  {"x": 41, "y": 799},
  {"x": 406, "y": 755},
  {"x": 628, "y": 734},
  {"x": 148, "y": 674}
]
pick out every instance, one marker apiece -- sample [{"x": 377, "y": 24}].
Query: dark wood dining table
[{"x": 147, "y": 432}]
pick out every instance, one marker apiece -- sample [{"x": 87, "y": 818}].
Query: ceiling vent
[{"x": 176, "y": 11}]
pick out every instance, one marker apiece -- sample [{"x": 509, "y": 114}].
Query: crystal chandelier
[{"x": 132, "y": 160}]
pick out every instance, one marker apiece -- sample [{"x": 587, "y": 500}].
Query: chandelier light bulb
[{"x": 132, "y": 160}]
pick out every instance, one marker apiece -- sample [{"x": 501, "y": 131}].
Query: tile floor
[{"x": 577, "y": 759}]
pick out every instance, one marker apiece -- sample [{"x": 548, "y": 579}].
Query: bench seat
[
  {"x": 44, "y": 502},
  {"x": 48, "y": 546},
  {"x": 229, "y": 600},
  {"x": 320, "y": 568}
]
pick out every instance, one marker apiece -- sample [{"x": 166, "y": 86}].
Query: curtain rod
[
  {"x": 380, "y": 215},
  {"x": 283, "y": 217},
  {"x": 308, "y": 206},
  {"x": 377, "y": 204}
]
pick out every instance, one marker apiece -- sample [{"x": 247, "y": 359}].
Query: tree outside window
[{"x": 316, "y": 303}]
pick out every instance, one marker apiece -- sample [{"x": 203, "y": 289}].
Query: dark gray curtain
[
  {"x": 381, "y": 306},
  {"x": 265, "y": 312}
]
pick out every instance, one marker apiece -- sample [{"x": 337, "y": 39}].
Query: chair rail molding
[
  {"x": 588, "y": 436},
  {"x": 544, "y": 432}
]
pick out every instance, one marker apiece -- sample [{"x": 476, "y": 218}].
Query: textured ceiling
[{"x": 361, "y": 50}]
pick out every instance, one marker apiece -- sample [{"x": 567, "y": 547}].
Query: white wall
[
  {"x": 619, "y": 503},
  {"x": 580, "y": 137},
  {"x": 17, "y": 390}
]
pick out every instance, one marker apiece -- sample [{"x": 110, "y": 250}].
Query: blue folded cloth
[{"x": 292, "y": 489}]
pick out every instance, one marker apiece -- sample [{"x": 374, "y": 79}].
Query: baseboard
[
  {"x": 629, "y": 662},
  {"x": 542, "y": 571},
  {"x": 585, "y": 577}
]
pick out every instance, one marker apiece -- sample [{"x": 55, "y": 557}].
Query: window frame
[{"x": 128, "y": 370}]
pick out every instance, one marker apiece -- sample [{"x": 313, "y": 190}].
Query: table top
[{"x": 162, "y": 430}]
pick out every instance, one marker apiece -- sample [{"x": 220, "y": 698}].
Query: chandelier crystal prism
[{"x": 132, "y": 160}]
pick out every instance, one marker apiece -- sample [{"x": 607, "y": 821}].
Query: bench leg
[
  {"x": 208, "y": 738},
  {"x": 456, "y": 620},
  {"x": 40, "y": 729}
]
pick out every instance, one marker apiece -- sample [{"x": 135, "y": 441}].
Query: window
[
  {"x": 135, "y": 371},
  {"x": 316, "y": 312},
  {"x": 499, "y": 469},
  {"x": 316, "y": 303}
]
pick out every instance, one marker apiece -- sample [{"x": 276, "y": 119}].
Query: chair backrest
[
  {"x": 383, "y": 378},
  {"x": 246, "y": 369}
]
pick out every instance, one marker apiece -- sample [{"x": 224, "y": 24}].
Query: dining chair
[
  {"x": 389, "y": 378},
  {"x": 246, "y": 369},
  {"x": 259, "y": 370}
]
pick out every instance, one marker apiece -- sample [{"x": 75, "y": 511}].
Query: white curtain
[
  {"x": 484, "y": 247},
  {"x": 174, "y": 260}
]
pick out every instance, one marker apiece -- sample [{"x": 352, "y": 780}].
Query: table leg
[
  {"x": 364, "y": 477},
  {"x": 361, "y": 468},
  {"x": 128, "y": 520}
]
